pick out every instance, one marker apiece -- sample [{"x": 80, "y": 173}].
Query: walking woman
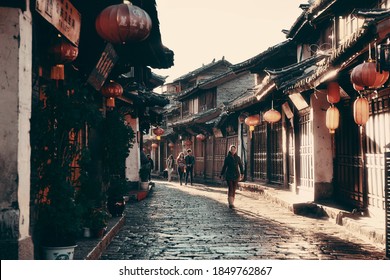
[
  {"x": 234, "y": 171},
  {"x": 181, "y": 164},
  {"x": 170, "y": 164}
]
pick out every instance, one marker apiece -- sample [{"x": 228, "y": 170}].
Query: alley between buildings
[{"x": 194, "y": 223}]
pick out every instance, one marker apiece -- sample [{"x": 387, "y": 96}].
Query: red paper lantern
[
  {"x": 272, "y": 116},
  {"x": 358, "y": 88},
  {"x": 200, "y": 137},
  {"x": 361, "y": 110},
  {"x": 252, "y": 121},
  {"x": 332, "y": 119},
  {"x": 365, "y": 75},
  {"x": 154, "y": 146},
  {"x": 187, "y": 143},
  {"x": 333, "y": 95},
  {"x": 111, "y": 90},
  {"x": 381, "y": 78},
  {"x": 158, "y": 131},
  {"x": 123, "y": 23},
  {"x": 63, "y": 52}
]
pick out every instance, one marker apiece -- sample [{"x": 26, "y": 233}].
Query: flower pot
[
  {"x": 86, "y": 232},
  {"x": 144, "y": 186},
  {"x": 59, "y": 253}
]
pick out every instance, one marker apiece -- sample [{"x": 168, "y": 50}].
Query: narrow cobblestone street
[{"x": 194, "y": 222}]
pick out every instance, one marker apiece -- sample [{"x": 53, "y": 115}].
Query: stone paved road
[{"x": 193, "y": 222}]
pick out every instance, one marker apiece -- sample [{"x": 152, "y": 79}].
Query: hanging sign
[
  {"x": 103, "y": 68},
  {"x": 63, "y": 16}
]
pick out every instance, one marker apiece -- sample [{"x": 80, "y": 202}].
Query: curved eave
[{"x": 262, "y": 58}]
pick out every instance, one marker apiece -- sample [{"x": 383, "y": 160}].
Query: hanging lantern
[
  {"x": 361, "y": 110},
  {"x": 365, "y": 75},
  {"x": 187, "y": 143},
  {"x": 57, "y": 72},
  {"x": 123, "y": 23},
  {"x": 171, "y": 145},
  {"x": 357, "y": 88},
  {"x": 380, "y": 80},
  {"x": 333, "y": 95},
  {"x": 63, "y": 52},
  {"x": 272, "y": 116},
  {"x": 110, "y": 102},
  {"x": 200, "y": 137},
  {"x": 252, "y": 121},
  {"x": 154, "y": 146},
  {"x": 158, "y": 131},
  {"x": 332, "y": 119},
  {"x": 111, "y": 90}
]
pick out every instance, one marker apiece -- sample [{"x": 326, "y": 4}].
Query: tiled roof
[
  {"x": 252, "y": 62},
  {"x": 206, "y": 67}
]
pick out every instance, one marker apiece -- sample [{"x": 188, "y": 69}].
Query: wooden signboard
[
  {"x": 103, "y": 68},
  {"x": 63, "y": 16}
]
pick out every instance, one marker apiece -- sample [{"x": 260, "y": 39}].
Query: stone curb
[{"x": 92, "y": 249}]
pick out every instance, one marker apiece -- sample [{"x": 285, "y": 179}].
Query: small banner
[{"x": 103, "y": 68}]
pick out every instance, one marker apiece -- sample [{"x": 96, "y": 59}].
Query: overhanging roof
[
  {"x": 150, "y": 52},
  {"x": 202, "y": 69},
  {"x": 209, "y": 83},
  {"x": 279, "y": 53},
  {"x": 202, "y": 117}
]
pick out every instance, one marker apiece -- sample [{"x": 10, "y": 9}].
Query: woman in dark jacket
[{"x": 234, "y": 171}]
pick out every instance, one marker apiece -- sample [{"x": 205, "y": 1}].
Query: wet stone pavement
[{"x": 193, "y": 222}]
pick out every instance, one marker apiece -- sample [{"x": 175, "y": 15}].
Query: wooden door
[
  {"x": 305, "y": 163},
  {"x": 259, "y": 148},
  {"x": 275, "y": 153}
]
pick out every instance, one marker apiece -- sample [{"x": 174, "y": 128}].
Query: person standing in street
[
  {"x": 190, "y": 161},
  {"x": 234, "y": 171},
  {"x": 170, "y": 164},
  {"x": 181, "y": 166},
  {"x": 151, "y": 165}
]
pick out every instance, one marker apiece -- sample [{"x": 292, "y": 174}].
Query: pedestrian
[
  {"x": 170, "y": 165},
  {"x": 151, "y": 165},
  {"x": 181, "y": 166},
  {"x": 190, "y": 161},
  {"x": 234, "y": 171}
]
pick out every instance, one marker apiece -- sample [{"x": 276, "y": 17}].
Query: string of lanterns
[
  {"x": 332, "y": 114},
  {"x": 365, "y": 78},
  {"x": 60, "y": 53}
]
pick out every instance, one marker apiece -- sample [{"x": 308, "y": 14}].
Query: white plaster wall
[
  {"x": 133, "y": 160},
  {"x": 323, "y": 160},
  {"x": 9, "y": 71},
  {"x": 25, "y": 95},
  {"x": 15, "y": 93}
]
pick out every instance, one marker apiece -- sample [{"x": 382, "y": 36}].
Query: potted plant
[
  {"x": 59, "y": 222},
  {"x": 57, "y": 125},
  {"x": 144, "y": 176},
  {"x": 115, "y": 196},
  {"x": 99, "y": 220}
]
